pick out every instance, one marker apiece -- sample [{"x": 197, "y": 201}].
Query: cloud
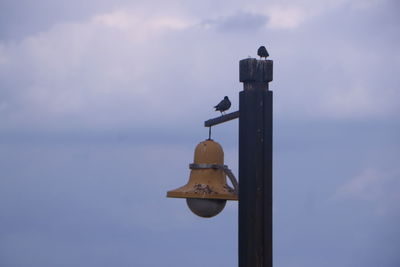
[
  {"x": 342, "y": 65},
  {"x": 378, "y": 188},
  {"x": 238, "y": 22},
  {"x": 87, "y": 68},
  {"x": 286, "y": 18},
  {"x": 135, "y": 21},
  {"x": 108, "y": 70}
]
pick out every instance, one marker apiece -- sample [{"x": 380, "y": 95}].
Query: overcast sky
[{"x": 103, "y": 102}]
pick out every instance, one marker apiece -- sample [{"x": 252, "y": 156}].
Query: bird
[
  {"x": 224, "y": 105},
  {"x": 262, "y": 52}
]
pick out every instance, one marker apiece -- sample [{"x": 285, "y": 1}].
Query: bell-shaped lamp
[{"x": 207, "y": 191}]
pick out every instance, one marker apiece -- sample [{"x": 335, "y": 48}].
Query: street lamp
[
  {"x": 207, "y": 191},
  {"x": 255, "y": 167}
]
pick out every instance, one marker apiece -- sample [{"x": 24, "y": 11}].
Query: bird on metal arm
[{"x": 224, "y": 105}]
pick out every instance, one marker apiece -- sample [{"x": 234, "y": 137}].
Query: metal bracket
[
  {"x": 221, "y": 119},
  {"x": 225, "y": 168}
]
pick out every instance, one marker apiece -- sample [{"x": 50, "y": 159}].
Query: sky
[{"x": 103, "y": 102}]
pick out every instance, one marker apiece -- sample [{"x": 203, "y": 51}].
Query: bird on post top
[
  {"x": 262, "y": 52},
  {"x": 224, "y": 105}
]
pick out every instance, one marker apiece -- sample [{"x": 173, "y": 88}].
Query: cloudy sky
[{"x": 102, "y": 103}]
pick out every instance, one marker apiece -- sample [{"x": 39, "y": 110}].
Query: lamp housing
[{"x": 207, "y": 190}]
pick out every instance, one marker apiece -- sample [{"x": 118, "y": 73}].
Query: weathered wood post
[{"x": 255, "y": 164}]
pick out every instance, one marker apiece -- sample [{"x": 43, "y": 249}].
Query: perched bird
[
  {"x": 225, "y": 104},
  {"x": 262, "y": 52}
]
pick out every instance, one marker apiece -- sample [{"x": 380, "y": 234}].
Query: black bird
[
  {"x": 225, "y": 104},
  {"x": 262, "y": 52}
]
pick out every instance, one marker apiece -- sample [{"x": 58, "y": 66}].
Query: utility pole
[{"x": 255, "y": 164}]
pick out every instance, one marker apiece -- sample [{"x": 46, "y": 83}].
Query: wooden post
[{"x": 255, "y": 164}]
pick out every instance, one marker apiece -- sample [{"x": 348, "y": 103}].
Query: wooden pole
[{"x": 255, "y": 164}]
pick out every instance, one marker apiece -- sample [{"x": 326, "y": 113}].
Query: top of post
[{"x": 254, "y": 70}]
